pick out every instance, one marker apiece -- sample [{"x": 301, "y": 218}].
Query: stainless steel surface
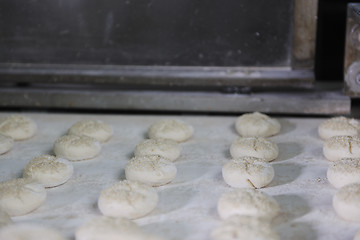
[{"x": 324, "y": 99}]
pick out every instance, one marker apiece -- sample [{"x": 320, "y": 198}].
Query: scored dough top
[{"x": 338, "y": 126}]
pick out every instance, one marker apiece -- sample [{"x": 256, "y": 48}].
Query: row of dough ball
[
  {"x": 342, "y": 148},
  {"x": 15, "y": 127},
  {"x": 251, "y": 153},
  {"x": 83, "y": 140},
  {"x": 246, "y": 214}
]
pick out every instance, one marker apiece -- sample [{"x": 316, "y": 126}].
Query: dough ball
[
  {"x": 21, "y": 196},
  {"x": 75, "y": 148},
  {"x": 344, "y": 172},
  {"x": 17, "y": 127},
  {"x": 171, "y": 129},
  {"x": 244, "y": 228},
  {"x": 339, "y": 147},
  {"x": 92, "y": 128},
  {"x": 346, "y": 202},
  {"x": 128, "y": 199},
  {"x": 338, "y": 126},
  {"x": 258, "y": 147},
  {"x": 248, "y": 202},
  {"x": 248, "y": 172},
  {"x": 257, "y": 125},
  {"x": 153, "y": 170},
  {"x": 4, "y": 219},
  {"x": 6, "y": 143},
  {"x": 49, "y": 170},
  {"x": 163, "y": 147},
  {"x": 29, "y": 232}
]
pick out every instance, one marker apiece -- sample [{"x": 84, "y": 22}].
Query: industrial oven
[{"x": 132, "y": 63}]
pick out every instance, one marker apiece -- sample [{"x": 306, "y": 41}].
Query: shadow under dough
[
  {"x": 285, "y": 173},
  {"x": 291, "y": 207},
  {"x": 288, "y": 150}
]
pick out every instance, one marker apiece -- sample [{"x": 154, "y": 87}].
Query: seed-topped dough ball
[
  {"x": 21, "y": 196},
  {"x": 338, "y": 147},
  {"x": 344, "y": 172},
  {"x": 249, "y": 202},
  {"x": 17, "y": 127},
  {"x": 346, "y": 202},
  {"x": 49, "y": 170},
  {"x": 258, "y": 147},
  {"x": 244, "y": 228},
  {"x": 4, "y": 218},
  {"x": 25, "y": 231},
  {"x": 151, "y": 169},
  {"x": 163, "y": 147},
  {"x": 257, "y": 125},
  {"x": 248, "y": 172},
  {"x": 338, "y": 126},
  {"x": 128, "y": 199},
  {"x": 75, "y": 148},
  {"x": 6, "y": 143},
  {"x": 92, "y": 128},
  {"x": 171, "y": 129}
]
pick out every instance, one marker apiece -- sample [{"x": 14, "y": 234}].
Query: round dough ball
[
  {"x": 128, "y": 199},
  {"x": 248, "y": 202},
  {"x": 4, "y": 219},
  {"x": 338, "y": 147},
  {"x": 346, "y": 202},
  {"x": 171, "y": 129},
  {"x": 29, "y": 232},
  {"x": 49, "y": 170},
  {"x": 75, "y": 148},
  {"x": 17, "y": 127},
  {"x": 338, "y": 126},
  {"x": 153, "y": 170},
  {"x": 248, "y": 172},
  {"x": 258, "y": 147},
  {"x": 166, "y": 148},
  {"x": 244, "y": 228},
  {"x": 108, "y": 228},
  {"x": 92, "y": 128},
  {"x": 6, "y": 143},
  {"x": 257, "y": 125},
  {"x": 344, "y": 172},
  {"x": 21, "y": 196}
]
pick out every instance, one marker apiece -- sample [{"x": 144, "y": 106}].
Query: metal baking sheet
[{"x": 187, "y": 206}]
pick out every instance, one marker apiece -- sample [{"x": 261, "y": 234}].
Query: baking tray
[{"x": 187, "y": 206}]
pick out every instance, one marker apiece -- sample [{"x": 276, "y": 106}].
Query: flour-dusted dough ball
[
  {"x": 29, "y": 232},
  {"x": 154, "y": 170},
  {"x": 249, "y": 202},
  {"x": 75, "y": 148},
  {"x": 344, "y": 172},
  {"x": 108, "y": 228},
  {"x": 176, "y": 130},
  {"x": 128, "y": 199},
  {"x": 21, "y": 196},
  {"x": 258, "y": 147},
  {"x": 6, "y": 143},
  {"x": 92, "y": 128},
  {"x": 49, "y": 170},
  {"x": 248, "y": 172},
  {"x": 163, "y": 147},
  {"x": 338, "y": 147},
  {"x": 338, "y": 126},
  {"x": 244, "y": 228},
  {"x": 17, "y": 127},
  {"x": 257, "y": 125},
  {"x": 346, "y": 202},
  {"x": 4, "y": 218}
]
